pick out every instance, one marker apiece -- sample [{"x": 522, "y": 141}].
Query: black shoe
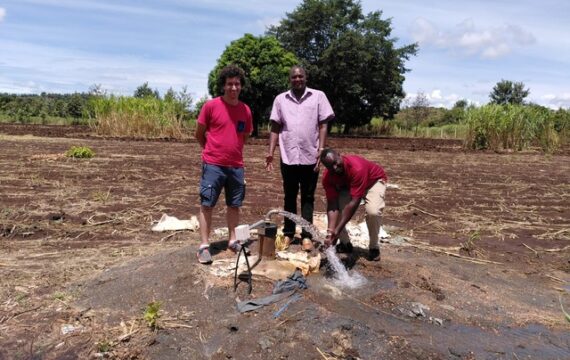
[
  {"x": 374, "y": 255},
  {"x": 344, "y": 248}
]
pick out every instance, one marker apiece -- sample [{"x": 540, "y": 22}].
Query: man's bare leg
[{"x": 205, "y": 219}]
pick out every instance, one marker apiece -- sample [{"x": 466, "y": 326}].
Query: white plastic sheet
[{"x": 171, "y": 223}]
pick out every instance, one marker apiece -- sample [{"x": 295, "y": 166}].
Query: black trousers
[{"x": 297, "y": 177}]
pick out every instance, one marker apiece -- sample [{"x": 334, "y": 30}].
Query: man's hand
[
  {"x": 331, "y": 238},
  {"x": 316, "y": 169},
  {"x": 269, "y": 163}
]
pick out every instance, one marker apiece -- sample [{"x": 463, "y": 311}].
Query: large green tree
[
  {"x": 508, "y": 92},
  {"x": 351, "y": 56},
  {"x": 266, "y": 65}
]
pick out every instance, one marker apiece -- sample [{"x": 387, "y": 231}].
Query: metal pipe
[
  {"x": 272, "y": 212},
  {"x": 257, "y": 224},
  {"x": 267, "y": 218}
]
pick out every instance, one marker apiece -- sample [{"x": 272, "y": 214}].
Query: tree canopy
[
  {"x": 508, "y": 92},
  {"x": 266, "y": 65},
  {"x": 352, "y": 57},
  {"x": 25, "y": 107},
  {"x": 145, "y": 91}
]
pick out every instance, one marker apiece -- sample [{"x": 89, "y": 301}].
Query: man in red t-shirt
[
  {"x": 348, "y": 180},
  {"x": 223, "y": 126}
]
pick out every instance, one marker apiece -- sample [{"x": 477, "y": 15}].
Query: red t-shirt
[
  {"x": 359, "y": 175},
  {"x": 225, "y": 126}
]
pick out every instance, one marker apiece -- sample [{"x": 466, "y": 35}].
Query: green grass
[
  {"x": 151, "y": 314},
  {"x": 80, "y": 152},
  {"x": 48, "y": 120},
  {"x": 514, "y": 127},
  {"x": 380, "y": 127},
  {"x": 450, "y": 131},
  {"x": 139, "y": 117}
]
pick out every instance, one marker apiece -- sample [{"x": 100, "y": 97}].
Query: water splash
[
  {"x": 307, "y": 226},
  {"x": 342, "y": 277}
]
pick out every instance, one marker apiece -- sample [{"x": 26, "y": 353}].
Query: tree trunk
[
  {"x": 256, "y": 122},
  {"x": 346, "y": 129}
]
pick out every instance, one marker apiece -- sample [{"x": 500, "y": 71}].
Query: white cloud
[
  {"x": 554, "y": 101},
  {"x": 436, "y": 98},
  {"x": 79, "y": 70},
  {"x": 496, "y": 51},
  {"x": 435, "y": 95},
  {"x": 113, "y": 8},
  {"x": 10, "y": 87},
  {"x": 2, "y": 14},
  {"x": 195, "y": 10},
  {"x": 266, "y": 22},
  {"x": 466, "y": 38}
]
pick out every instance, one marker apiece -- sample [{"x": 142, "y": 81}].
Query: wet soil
[{"x": 489, "y": 257}]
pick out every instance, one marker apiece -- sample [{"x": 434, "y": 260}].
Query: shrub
[
  {"x": 151, "y": 314},
  {"x": 515, "y": 127},
  {"x": 80, "y": 152},
  {"x": 138, "y": 117}
]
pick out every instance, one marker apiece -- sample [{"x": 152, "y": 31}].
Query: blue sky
[{"x": 466, "y": 47}]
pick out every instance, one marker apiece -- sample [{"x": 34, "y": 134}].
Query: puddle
[
  {"x": 533, "y": 341},
  {"x": 456, "y": 340}
]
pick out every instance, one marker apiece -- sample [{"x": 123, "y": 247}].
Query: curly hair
[{"x": 230, "y": 71}]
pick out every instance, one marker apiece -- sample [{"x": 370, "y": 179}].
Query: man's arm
[
  {"x": 332, "y": 218},
  {"x": 201, "y": 134},
  {"x": 323, "y": 127},
  {"x": 273, "y": 136},
  {"x": 347, "y": 214}
]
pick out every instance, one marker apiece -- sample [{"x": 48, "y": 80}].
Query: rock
[{"x": 265, "y": 343}]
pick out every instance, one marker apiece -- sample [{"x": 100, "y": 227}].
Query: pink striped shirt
[{"x": 299, "y": 136}]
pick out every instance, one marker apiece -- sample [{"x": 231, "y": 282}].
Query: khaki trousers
[{"x": 374, "y": 205}]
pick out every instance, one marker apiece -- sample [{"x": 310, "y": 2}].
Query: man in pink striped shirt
[{"x": 299, "y": 120}]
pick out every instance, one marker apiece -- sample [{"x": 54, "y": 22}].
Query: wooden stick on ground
[
  {"x": 476, "y": 261},
  {"x": 555, "y": 278},
  {"x": 169, "y": 236},
  {"x": 556, "y": 250},
  {"x": 531, "y": 249},
  {"x": 423, "y": 211},
  {"x": 322, "y": 354}
]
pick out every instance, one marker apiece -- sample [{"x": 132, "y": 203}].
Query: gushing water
[
  {"x": 342, "y": 277},
  {"x": 307, "y": 226}
]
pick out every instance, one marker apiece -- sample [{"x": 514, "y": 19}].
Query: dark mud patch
[{"x": 332, "y": 320}]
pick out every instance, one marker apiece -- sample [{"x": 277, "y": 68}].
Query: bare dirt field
[{"x": 486, "y": 257}]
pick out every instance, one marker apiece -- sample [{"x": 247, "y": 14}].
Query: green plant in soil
[
  {"x": 80, "y": 152},
  {"x": 566, "y": 315},
  {"x": 151, "y": 314},
  {"x": 104, "y": 346}
]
